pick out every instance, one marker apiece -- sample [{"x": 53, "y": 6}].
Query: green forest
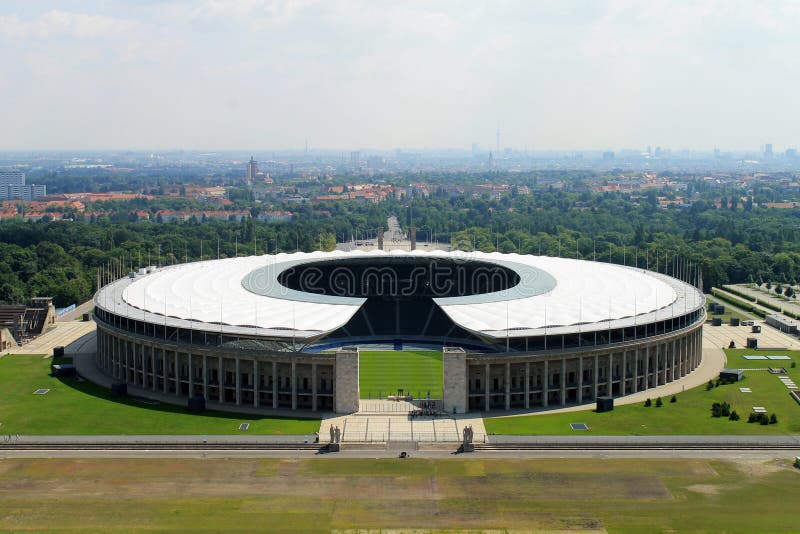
[{"x": 731, "y": 244}]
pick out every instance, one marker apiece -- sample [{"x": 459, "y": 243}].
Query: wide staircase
[
  {"x": 384, "y": 423},
  {"x": 12, "y": 317}
]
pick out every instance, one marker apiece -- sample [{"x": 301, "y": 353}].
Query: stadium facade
[{"x": 283, "y": 331}]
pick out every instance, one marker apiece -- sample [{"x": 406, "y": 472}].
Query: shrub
[
  {"x": 674, "y": 399},
  {"x": 733, "y": 416},
  {"x": 647, "y": 403},
  {"x": 659, "y": 404},
  {"x": 794, "y": 364},
  {"x": 773, "y": 419},
  {"x": 710, "y": 385},
  {"x": 720, "y": 409},
  {"x": 753, "y": 418}
]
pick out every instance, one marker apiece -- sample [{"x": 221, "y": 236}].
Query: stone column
[
  {"x": 238, "y": 381},
  {"x": 545, "y": 384},
  {"x": 294, "y": 385},
  {"x": 454, "y": 376},
  {"x": 313, "y": 387},
  {"x": 256, "y": 384},
  {"x": 190, "y": 370},
  {"x": 610, "y": 374},
  {"x": 596, "y": 372},
  {"x": 636, "y": 369},
  {"x": 580, "y": 380},
  {"x": 274, "y": 384},
  {"x": 624, "y": 377},
  {"x": 508, "y": 385},
  {"x": 646, "y": 368},
  {"x": 205, "y": 375},
  {"x": 221, "y": 378},
  {"x": 563, "y": 381},
  {"x": 141, "y": 372},
  {"x": 177, "y": 375},
  {"x": 153, "y": 365},
  {"x": 347, "y": 394},
  {"x": 527, "y": 387},
  {"x": 487, "y": 389},
  {"x": 165, "y": 370},
  {"x": 669, "y": 366},
  {"x": 682, "y": 356}
]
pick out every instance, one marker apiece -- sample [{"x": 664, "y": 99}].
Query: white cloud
[
  {"x": 555, "y": 73},
  {"x": 57, "y": 23}
]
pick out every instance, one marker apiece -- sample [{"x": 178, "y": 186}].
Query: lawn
[
  {"x": 691, "y": 414},
  {"x": 416, "y": 372},
  {"x": 72, "y": 407},
  {"x": 358, "y": 495},
  {"x": 730, "y": 311}
]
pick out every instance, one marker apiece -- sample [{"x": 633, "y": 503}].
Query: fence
[{"x": 63, "y": 311}]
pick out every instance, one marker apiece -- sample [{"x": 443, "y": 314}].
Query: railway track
[
  {"x": 160, "y": 446},
  {"x": 485, "y": 447}
]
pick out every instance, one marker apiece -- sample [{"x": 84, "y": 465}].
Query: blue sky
[{"x": 258, "y": 74}]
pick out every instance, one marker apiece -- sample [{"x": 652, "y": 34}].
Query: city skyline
[{"x": 354, "y": 75}]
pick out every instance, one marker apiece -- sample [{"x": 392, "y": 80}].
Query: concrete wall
[
  {"x": 347, "y": 392},
  {"x": 454, "y": 376}
]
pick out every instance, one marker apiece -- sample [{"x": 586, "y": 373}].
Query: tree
[
  {"x": 647, "y": 403},
  {"x": 673, "y": 399},
  {"x": 773, "y": 419},
  {"x": 659, "y": 403},
  {"x": 733, "y": 416}
]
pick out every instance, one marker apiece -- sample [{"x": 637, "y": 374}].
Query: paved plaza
[{"x": 385, "y": 421}]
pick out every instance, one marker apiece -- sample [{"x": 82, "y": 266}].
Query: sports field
[
  {"x": 691, "y": 414},
  {"x": 415, "y": 372},
  {"x": 73, "y": 407},
  {"x": 353, "y": 495}
]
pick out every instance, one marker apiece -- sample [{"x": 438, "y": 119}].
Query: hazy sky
[{"x": 258, "y": 74}]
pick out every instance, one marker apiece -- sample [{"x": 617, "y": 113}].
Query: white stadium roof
[{"x": 590, "y": 294}]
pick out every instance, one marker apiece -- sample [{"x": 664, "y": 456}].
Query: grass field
[
  {"x": 691, "y": 414},
  {"x": 730, "y": 311},
  {"x": 416, "y": 372},
  {"x": 449, "y": 495},
  {"x": 72, "y": 407}
]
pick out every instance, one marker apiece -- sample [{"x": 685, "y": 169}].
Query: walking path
[{"x": 772, "y": 298}]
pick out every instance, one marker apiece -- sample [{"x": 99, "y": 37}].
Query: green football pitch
[{"x": 415, "y": 372}]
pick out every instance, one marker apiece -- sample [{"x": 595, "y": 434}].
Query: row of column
[
  {"x": 498, "y": 385},
  {"x": 306, "y": 385}
]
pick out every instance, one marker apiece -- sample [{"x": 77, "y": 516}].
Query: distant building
[
  {"x": 252, "y": 170},
  {"x": 13, "y": 187},
  {"x": 8, "y": 177},
  {"x": 355, "y": 159},
  {"x": 608, "y": 156},
  {"x": 791, "y": 153},
  {"x": 767, "y": 151}
]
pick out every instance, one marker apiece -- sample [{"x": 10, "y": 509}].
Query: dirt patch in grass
[
  {"x": 705, "y": 489},
  {"x": 759, "y": 468}
]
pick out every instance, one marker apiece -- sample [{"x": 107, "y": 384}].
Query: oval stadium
[{"x": 287, "y": 331}]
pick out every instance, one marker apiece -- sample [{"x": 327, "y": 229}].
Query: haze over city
[{"x": 347, "y": 75}]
